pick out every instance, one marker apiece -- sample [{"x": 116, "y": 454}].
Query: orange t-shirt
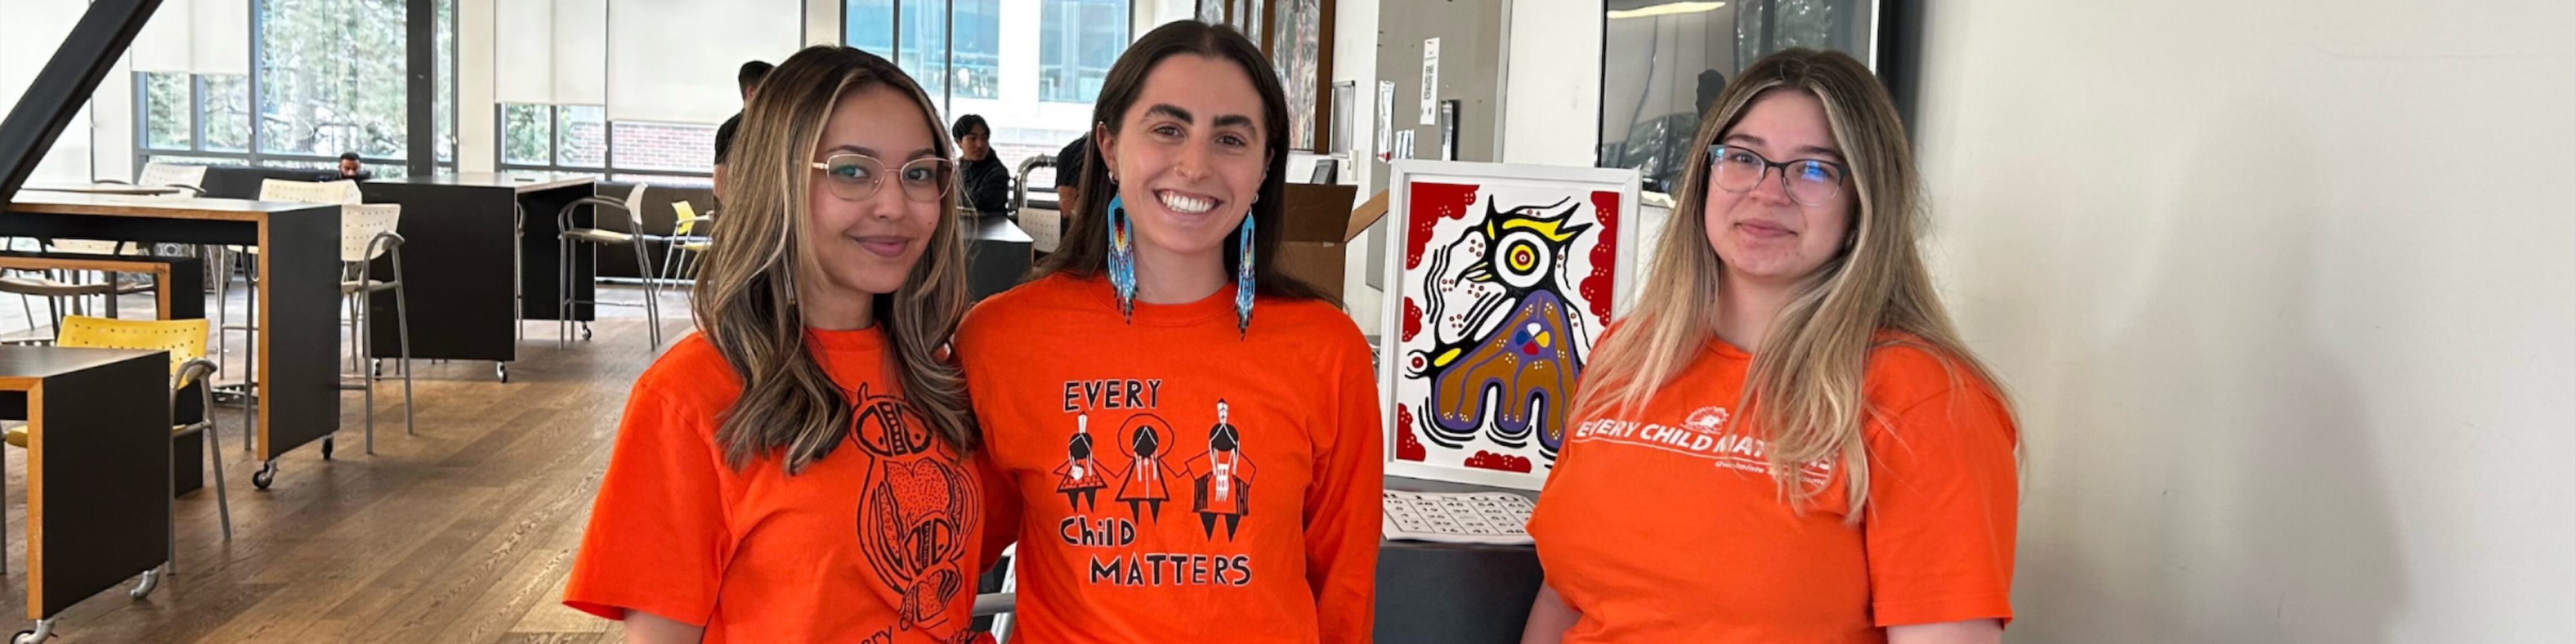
[
  {"x": 1171, "y": 479},
  {"x": 873, "y": 543},
  {"x": 1662, "y": 526}
]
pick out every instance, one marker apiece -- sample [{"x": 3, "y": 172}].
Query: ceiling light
[{"x": 1666, "y": 9}]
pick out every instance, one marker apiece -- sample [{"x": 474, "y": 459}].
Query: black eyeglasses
[
  {"x": 1809, "y": 181},
  {"x": 856, "y": 177}
]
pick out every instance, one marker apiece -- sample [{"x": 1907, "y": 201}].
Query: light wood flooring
[{"x": 462, "y": 533}]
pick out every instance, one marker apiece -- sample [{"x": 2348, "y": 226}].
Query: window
[
  {"x": 223, "y": 110},
  {"x": 663, "y": 147},
  {"x": 167, "y": 105},
  {"x": 1078, "y": 40},
  {"x": 921, "y": 37},
  {"x": 581, "y": 136},
  {"x": 331, "y": 77},
  {"x": 527, "y": 134},
  {"x": 977, "y": 58}
]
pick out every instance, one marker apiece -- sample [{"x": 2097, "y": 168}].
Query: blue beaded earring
[
  {"x": 1122, "y": 258},
  {"x": 1243, "y": 277}
]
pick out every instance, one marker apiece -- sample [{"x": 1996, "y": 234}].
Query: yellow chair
[
  {"x": 685, "y": 236},
  {"x": 185, "y": 340}
]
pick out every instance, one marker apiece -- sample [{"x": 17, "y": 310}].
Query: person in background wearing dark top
[
  {"x": 982, "y": 177},
  {"x": 349, "y": 168},
  {"x": 747, "y": 80},
  {"x": 1068, "y": 177}
]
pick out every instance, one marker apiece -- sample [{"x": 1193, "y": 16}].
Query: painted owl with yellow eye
[{"x": 1508, "y": 338}]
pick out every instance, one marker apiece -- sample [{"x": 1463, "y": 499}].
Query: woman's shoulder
[
  {"x": 994, "y": 316},
  {"x": 692, "y": 373},
  {"x": 1905, "y": 369},
  {"x": 1317, "y": 325}
]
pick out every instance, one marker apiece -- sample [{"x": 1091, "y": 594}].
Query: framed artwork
[{"x": 1506, "y": 275}]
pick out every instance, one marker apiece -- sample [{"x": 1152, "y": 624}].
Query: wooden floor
[{"x": 462, "y": 533}]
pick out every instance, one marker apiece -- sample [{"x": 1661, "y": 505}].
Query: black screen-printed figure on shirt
[
  {"x": 1143, "y": 485},
  {"x": 1221, "y": 478},
  {"x": 1079, "y": 477}
]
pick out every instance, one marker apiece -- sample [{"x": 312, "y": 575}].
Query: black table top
[
  {"x": 993, "y": 228},
  {"x": 18, "y": 361}
]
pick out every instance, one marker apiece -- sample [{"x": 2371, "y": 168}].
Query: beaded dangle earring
[
  {"x": 1122, "y": 257},
  {"x": 1243, "y": 277}
]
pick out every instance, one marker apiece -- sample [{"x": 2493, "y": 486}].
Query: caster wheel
[
  {"x": 585, "y": 330},
  {"x": 326, "y": 449},
  {"x": 23, "y": 637},
  {"x": 262, "y": 478},
  {"x": 501, "y": 369},
  {"x": 376, "y": 368}
]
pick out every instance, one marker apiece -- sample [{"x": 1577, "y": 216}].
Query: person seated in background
[
  {"x": 985, "y": 181},
  {"x": 349, "y": 168},
  {"x": 747, "y": 80}
]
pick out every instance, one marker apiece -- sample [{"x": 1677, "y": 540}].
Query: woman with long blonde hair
[
  {"x": 1786, "y": 440},
  {"x": 800, "y": 469}
]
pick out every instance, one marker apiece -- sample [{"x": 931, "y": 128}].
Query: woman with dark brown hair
[
  {"x": 1164, "y": 315},
  {"x": 799, "y": 470}
]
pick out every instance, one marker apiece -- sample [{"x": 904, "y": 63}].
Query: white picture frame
[{"x": 1401, "y": 391}]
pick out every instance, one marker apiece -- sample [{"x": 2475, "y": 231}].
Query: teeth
[{"x": 1187, "y": 205}]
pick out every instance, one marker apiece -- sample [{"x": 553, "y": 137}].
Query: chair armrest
[
  {"x": 995, "y": 603},
  {"x": 563, "y": 218}
]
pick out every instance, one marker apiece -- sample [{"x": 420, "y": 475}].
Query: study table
[
  {"x": 297, "y": 312},
  {"x": 98, "y": 470},
  {"x": 462, "y": 250}
]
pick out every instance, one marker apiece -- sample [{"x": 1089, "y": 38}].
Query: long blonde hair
[
  {"x": 745, "y": 296},
  {"x": 1803, "y": 392}
]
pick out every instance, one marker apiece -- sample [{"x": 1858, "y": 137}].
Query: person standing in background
[
  {"x": 1068, "y": 177},
  {"x": 983, "y": 178},
  {"x": 747, "y": 80}
]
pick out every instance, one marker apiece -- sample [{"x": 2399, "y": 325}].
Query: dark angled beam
[{"x": 66, "y": 82}]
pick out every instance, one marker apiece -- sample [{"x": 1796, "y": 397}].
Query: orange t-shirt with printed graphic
[
  {"x": 874, "y": 543},
  {"x": 1171, "y": 479},
  {"x": 1662, "y": 525}
]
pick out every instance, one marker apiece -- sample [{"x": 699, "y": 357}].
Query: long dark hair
[
  {"x": 1084, "y": 251},
  {"x": 746, "y": 293}
]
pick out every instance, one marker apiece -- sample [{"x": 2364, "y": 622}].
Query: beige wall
[{"x": 2286, "y": 292}]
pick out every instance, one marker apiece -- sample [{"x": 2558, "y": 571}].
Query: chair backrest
[
  {"x": 359, "y": 225},
  {"x": 635, "y": 208},
  {"x": 171, "y": 174},
  {"x": 341, "y": 192},
  {"x": 685, "y": 216},
  {"x": 184, "y": 339},
  {"x": 94, "y": 246}
]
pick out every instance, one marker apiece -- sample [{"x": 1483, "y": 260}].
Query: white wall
[
  {"x": 2285, "y": 292},
  {"x": 1552, "y": 86}
]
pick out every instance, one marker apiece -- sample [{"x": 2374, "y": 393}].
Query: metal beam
[
  {"x": 78, "y": 65},
  {"x": 420, "y": 83}
]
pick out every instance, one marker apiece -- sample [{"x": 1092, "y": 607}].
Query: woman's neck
[
  {"x": 1746, "y": 307},
  {"x": 1166, "y": 277},
  {"x": 833, "y": 309}
]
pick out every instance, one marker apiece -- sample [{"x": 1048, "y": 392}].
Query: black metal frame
[{"x": 68, "y": 79}]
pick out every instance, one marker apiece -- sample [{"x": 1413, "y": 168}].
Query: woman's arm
[
  {"x": 648, "y": 628},
  {"x": 1974, "y": 631},
  {"x": 1548, "y": 618}
]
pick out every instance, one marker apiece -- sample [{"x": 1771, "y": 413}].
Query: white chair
[
  {"x": 367, "y": 231},
  {"x": 191, "y": 178},
  {"x": 571, "y": 237},
  {"x": 687, "y": 241},
  {"x": 342, "y": 192}
]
